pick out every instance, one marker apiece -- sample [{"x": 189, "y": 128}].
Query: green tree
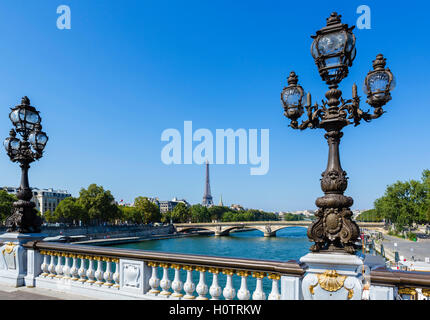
[
  {"x": 199, "y": 213},
  {"x": 293, "y": 217},
  {"x": 369, "y": 216},
  {"x": 69, "y": 210},
  {"x": 216, "y": 212},
  {"x": 6, "y": 201},
  {"x": 166, "y": 217},
  {"x": 98, "y": 204},
  {"x": 405, "y": 203},
  {"x": 148, "y": 211},
  {"x": 130, "y": 214},
  {"x": 181, "y": 213}
]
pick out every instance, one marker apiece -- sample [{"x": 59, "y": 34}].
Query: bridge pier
[
  {"x": 270, "y": 234},
  {"x": 222, "y": 233}
]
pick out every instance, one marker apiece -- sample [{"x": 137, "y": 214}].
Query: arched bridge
[{"x": 269, "y": 228}]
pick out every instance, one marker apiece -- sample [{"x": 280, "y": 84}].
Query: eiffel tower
[{"x": 207, "y": 197}]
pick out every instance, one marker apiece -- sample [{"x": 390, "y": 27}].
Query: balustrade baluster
[
  {"x": 189, "y": 285},
  {"x": 44, "y": 265},
  {"x": 90, "y": 270},
  {"x": 99, "y": 272},
  {"x": 154, "y": 281},
  {"x": 229, "y": 292},
  {"x": 274, "y": 294},
  {"x": 177, "y": 283},
  {"x": 66, "y": 267},
  {"x": 59, "y": 267},
  {"x": 51, "y": 267},
  {"x": 259, "y": 293},
  {"x": 108, "y": 275},
  {"x": 74, "y": 268},
  {"x": 82, "y": 272},
  {"x": 202, "y": 288},
  {"x": 165, "y": 283},
  {"x": 215, "y": 290},
  {"x": 243, "y": 293},
  {"x": 115, "y": 276}
]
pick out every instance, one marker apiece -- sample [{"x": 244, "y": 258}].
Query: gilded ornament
[
  {"x": 426, "y": 292},
  {"x": 259, "y": 275},
  {"x": 274, "y": 276},
  {"x": 331, "y": 281},
  {"x": 228, "y": 272},
  {"x": 242, "y": 273},
  {"x": 9, "y": 247},
  {"x": 410, "y": 291}
]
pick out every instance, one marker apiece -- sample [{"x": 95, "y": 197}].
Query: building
[
  {"x": 237, "y": 207},
  {"x": 45, "y": 199},
  {"x": 166, "y": 206}
]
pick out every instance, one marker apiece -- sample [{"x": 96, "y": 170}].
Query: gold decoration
[
  {"x": 405, "y": 290},
  {"x": 259, "y": 275},
  {"x": 188, "y": 268},
  {"x": 426, "y": 292},
  {"x": 152, "y": 264},
  {"x": 201, "y": 269},
  {"x": 242, "y": 273},
  {"x": 164, "y": 265},
  {"x": 274, "y": 276},
  {"x": 350, "y": 293},
  {"x": 214, "y": 270},
  {"x": 311, "y": 288},
  {"x": 228, "y": 272},
  {"x": 8, "y": 247},
  {"x": 331, "y": 281}
]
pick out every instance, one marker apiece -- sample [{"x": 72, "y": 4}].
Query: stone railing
[
  {"x": 399, "y": 285},
  {"x": 116, "y": 273},
  {"x": 122, "y": 274}
]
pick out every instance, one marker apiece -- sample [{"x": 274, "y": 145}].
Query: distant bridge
[{"x": 268, "y": 228}]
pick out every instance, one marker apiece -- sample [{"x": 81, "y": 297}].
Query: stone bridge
[{"x": 268, "y": 228}]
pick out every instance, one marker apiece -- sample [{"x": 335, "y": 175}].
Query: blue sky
[{"x": 127, "y": 70}]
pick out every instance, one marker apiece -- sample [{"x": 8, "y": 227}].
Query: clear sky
[{"x": 127, "y": 70}]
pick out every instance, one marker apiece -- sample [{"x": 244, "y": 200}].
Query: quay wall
[{"x": 98, "y": 232}]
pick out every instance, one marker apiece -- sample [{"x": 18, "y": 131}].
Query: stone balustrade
[{"x": 114, "y": 273}]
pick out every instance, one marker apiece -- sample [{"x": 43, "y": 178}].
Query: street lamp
[
  {"x": 333, "y": 50},
  {"x": 26, "y": 120}
]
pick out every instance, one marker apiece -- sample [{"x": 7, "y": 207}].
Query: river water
[{"x": 289, "y": 244}]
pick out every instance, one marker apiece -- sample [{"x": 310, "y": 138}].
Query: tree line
[
  {"x": 403, "y": 204},
  {"x": 95, "y": 206}
]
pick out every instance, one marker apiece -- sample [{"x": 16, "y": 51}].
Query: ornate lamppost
[
  {"x": 29, "y": 148},
  {"x": 333, "y": 50}
]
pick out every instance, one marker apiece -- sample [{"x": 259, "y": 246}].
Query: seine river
[{"x": 290, "y": 243}]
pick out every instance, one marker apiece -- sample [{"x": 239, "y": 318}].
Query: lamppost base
[
  {"x": 15, "y": 262},
  {"x": 332, "y": 276}
]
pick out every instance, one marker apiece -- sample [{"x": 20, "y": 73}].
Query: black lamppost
[
  {"x": 26, "y": 120},
  {"x": 334, "y": 51}
]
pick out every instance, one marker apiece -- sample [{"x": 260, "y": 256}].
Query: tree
[
  {"x": 293, "y": 217},
  {"x": 69, "y": 210},
  {"x": 199, "y": 213},
  {"x": 216, "y": 212},
  {"x": 129, "y": 214},
  {"x": 6, "y": 201},
  {"x": 166, "y": 217},
  {"x": 181, "y": 213},
  {"x": 148, "y": 211},
  {"x": 369, "y": 216},
  {"x": 98, "y": 204},
  {"x": 405, "y": 203}
]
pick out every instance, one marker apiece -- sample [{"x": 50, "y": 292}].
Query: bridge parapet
[{"x": 113, "y": 273}]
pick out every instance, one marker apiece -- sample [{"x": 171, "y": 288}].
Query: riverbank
[{"x": 123, "y": 240}]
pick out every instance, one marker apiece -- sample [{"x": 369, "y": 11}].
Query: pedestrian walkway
[
  {"x": 25, "y": 293},
  {"x": 418, "y": 250}
]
